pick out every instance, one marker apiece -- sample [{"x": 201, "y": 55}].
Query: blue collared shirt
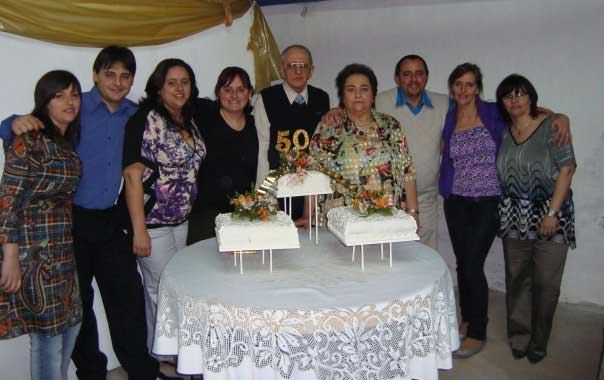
[
  {"x": 424, "y": 101},
  {"x": 100, "y": 149}
]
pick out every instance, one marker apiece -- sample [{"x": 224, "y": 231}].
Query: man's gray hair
[{"x": 301, "y": 47}]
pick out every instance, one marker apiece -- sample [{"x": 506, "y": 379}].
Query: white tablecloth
[{"x": 316, "y": 316}]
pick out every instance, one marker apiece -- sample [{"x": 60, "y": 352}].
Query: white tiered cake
[
  {"x": 353, "y": 229},
  {"x": 314, "y": 182},
  {"x": 278, "y": 232}
]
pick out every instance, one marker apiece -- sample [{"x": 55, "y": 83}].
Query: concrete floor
[{"x": 573, "y": 352}]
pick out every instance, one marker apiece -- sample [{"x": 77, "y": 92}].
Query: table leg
[
  {"x": 382, "y": 250},
  {"x": 263, "y": 257},
  {"x": 241, "y": 262},
  {"x": 270, "y": 253},
  {"x": 353, "y": 247},
  {"x": 310, "y": 217},
  {"x": 235, "y": 258},
  {"x": 390, "y": 254},
  {"x": 362, "y": 258},
  {"x": 291, "y": 212},
  {"x": 316, "y": 219}
]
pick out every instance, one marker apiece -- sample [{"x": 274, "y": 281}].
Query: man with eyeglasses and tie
[{"x": 286, "y": 116}]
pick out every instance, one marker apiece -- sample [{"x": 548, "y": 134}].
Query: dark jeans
[
  {"x": 104, "y": 252},
  {"x": 533, "y": 274},
  {"x": 472, "y": 224}
]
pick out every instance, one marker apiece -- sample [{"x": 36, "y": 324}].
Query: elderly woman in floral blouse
[{"x": 365, "y": 147}]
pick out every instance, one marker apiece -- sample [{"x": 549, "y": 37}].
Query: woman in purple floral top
[{"x": 163, "y": 151}]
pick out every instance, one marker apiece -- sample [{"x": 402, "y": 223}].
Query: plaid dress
[{"x": 35, "y": 198}]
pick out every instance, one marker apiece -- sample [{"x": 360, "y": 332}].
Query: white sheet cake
[
  {"x": 314, "y": 182},
  {"x": 279, "y": 232},
  {"x": 353, "y": 229}
]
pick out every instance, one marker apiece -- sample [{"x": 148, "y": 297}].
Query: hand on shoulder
[{"x": 26, "y": 123}]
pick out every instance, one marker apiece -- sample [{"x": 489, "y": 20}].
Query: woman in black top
[{"x": 232, "y": 152}]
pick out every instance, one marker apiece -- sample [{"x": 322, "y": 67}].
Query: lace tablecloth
[{"x": 317, "y": 316}]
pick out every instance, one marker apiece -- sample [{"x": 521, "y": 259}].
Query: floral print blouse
[
  {"x": 373, "y": 157},
  {"x": 171, "y": 165}
]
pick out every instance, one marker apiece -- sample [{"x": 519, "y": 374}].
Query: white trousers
[{"x": 165, "y": 242}]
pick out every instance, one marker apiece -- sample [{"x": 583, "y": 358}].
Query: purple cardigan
[{"x": 490, "y": 116}]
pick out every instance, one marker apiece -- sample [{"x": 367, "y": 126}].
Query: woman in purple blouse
[
  {"x": 470, "y": 187},
  {"x": 163, "y": 150}
]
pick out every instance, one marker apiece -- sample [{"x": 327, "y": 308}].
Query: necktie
[{"x": 299, "y": 99}]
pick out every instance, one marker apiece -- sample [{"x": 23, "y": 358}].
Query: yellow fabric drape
[
  {"x": 115, "y": 22},
  {"x": 137, "y": 23},
  {"x": 266, "y": 52}
]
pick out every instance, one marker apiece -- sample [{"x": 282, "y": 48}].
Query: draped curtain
[{"x": 137, "y": 23}]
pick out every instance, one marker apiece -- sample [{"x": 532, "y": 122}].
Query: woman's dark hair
[
  {"x": 228, "y": 75},
  {"x": 156, "y": 82},
  {"x": 111, "y": 55},
  {"x": 511, "y": 84},
  {"x": 48, "y": 86},
  {"x": 352, "y": 69},
  {"x": 463, "y": 69}
]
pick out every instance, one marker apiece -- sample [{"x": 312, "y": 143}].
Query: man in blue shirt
[{"x": 102, "y": 250}]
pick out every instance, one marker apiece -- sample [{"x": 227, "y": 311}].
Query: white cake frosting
[
  {"x": 314, "y": 182},
  {"x": 278, "y": 232},
  {"x": 353, "y": 229}
]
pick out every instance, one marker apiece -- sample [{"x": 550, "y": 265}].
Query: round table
[{"x": 316, "y": 316}]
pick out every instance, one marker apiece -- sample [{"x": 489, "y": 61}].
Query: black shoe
[
  {"x": 518, "y": 354},
  {"x": 535, "y": 357},
  {"x": 163, "y": 376}
]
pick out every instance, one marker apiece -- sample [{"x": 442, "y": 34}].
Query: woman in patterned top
[
  {"x": 163, "y": 150},
  {"x": 367, "y": 148},
  {"x": 537, "y": 216},
  {"x": 39, "y": 292}
]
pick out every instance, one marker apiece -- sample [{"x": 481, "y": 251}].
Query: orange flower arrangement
[
  {"x": 372, "y": 202},
  {"x": 296, "y": 162},
  {"x": 253, "y": 206}
]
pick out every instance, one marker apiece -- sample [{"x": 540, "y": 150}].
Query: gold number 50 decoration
[{"x": 300, "y": 139}]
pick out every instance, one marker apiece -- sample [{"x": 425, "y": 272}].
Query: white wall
[
  {"x": 23, "y": 61},
  {"x": 557, "y": 44}
]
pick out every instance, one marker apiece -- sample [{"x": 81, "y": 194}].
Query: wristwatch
[{"x": 555, "y": 213}]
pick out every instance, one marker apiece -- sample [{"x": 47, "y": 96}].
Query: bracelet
[
  {"x": 554, "y": 213},
  {"x": 412, "y": 211}
]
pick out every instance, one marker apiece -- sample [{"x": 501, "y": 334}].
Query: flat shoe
[
  {"x": 535, "y": 357},
  {"x": 518, "y": 354},
  {"x": 163, "y": 376},
  {"x": 464, "y": 353}
]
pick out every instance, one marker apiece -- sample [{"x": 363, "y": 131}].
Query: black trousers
[
  {"x": 472, "y": 224},
  {"x": 104, "y": 252}
]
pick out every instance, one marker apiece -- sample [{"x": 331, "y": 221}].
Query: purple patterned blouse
[
  {"x": 171, "y": 165},
  {"x": 474, "y": 156}
]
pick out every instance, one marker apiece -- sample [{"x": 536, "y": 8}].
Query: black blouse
[{"x": 231, "y": 161}]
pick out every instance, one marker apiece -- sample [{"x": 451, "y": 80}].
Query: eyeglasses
[
  {"x": 297, "y": 65},
  {"x": 516, "y": 94}
]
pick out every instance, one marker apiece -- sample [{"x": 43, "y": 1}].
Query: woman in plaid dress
[{"x": 39, "y": 292}]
